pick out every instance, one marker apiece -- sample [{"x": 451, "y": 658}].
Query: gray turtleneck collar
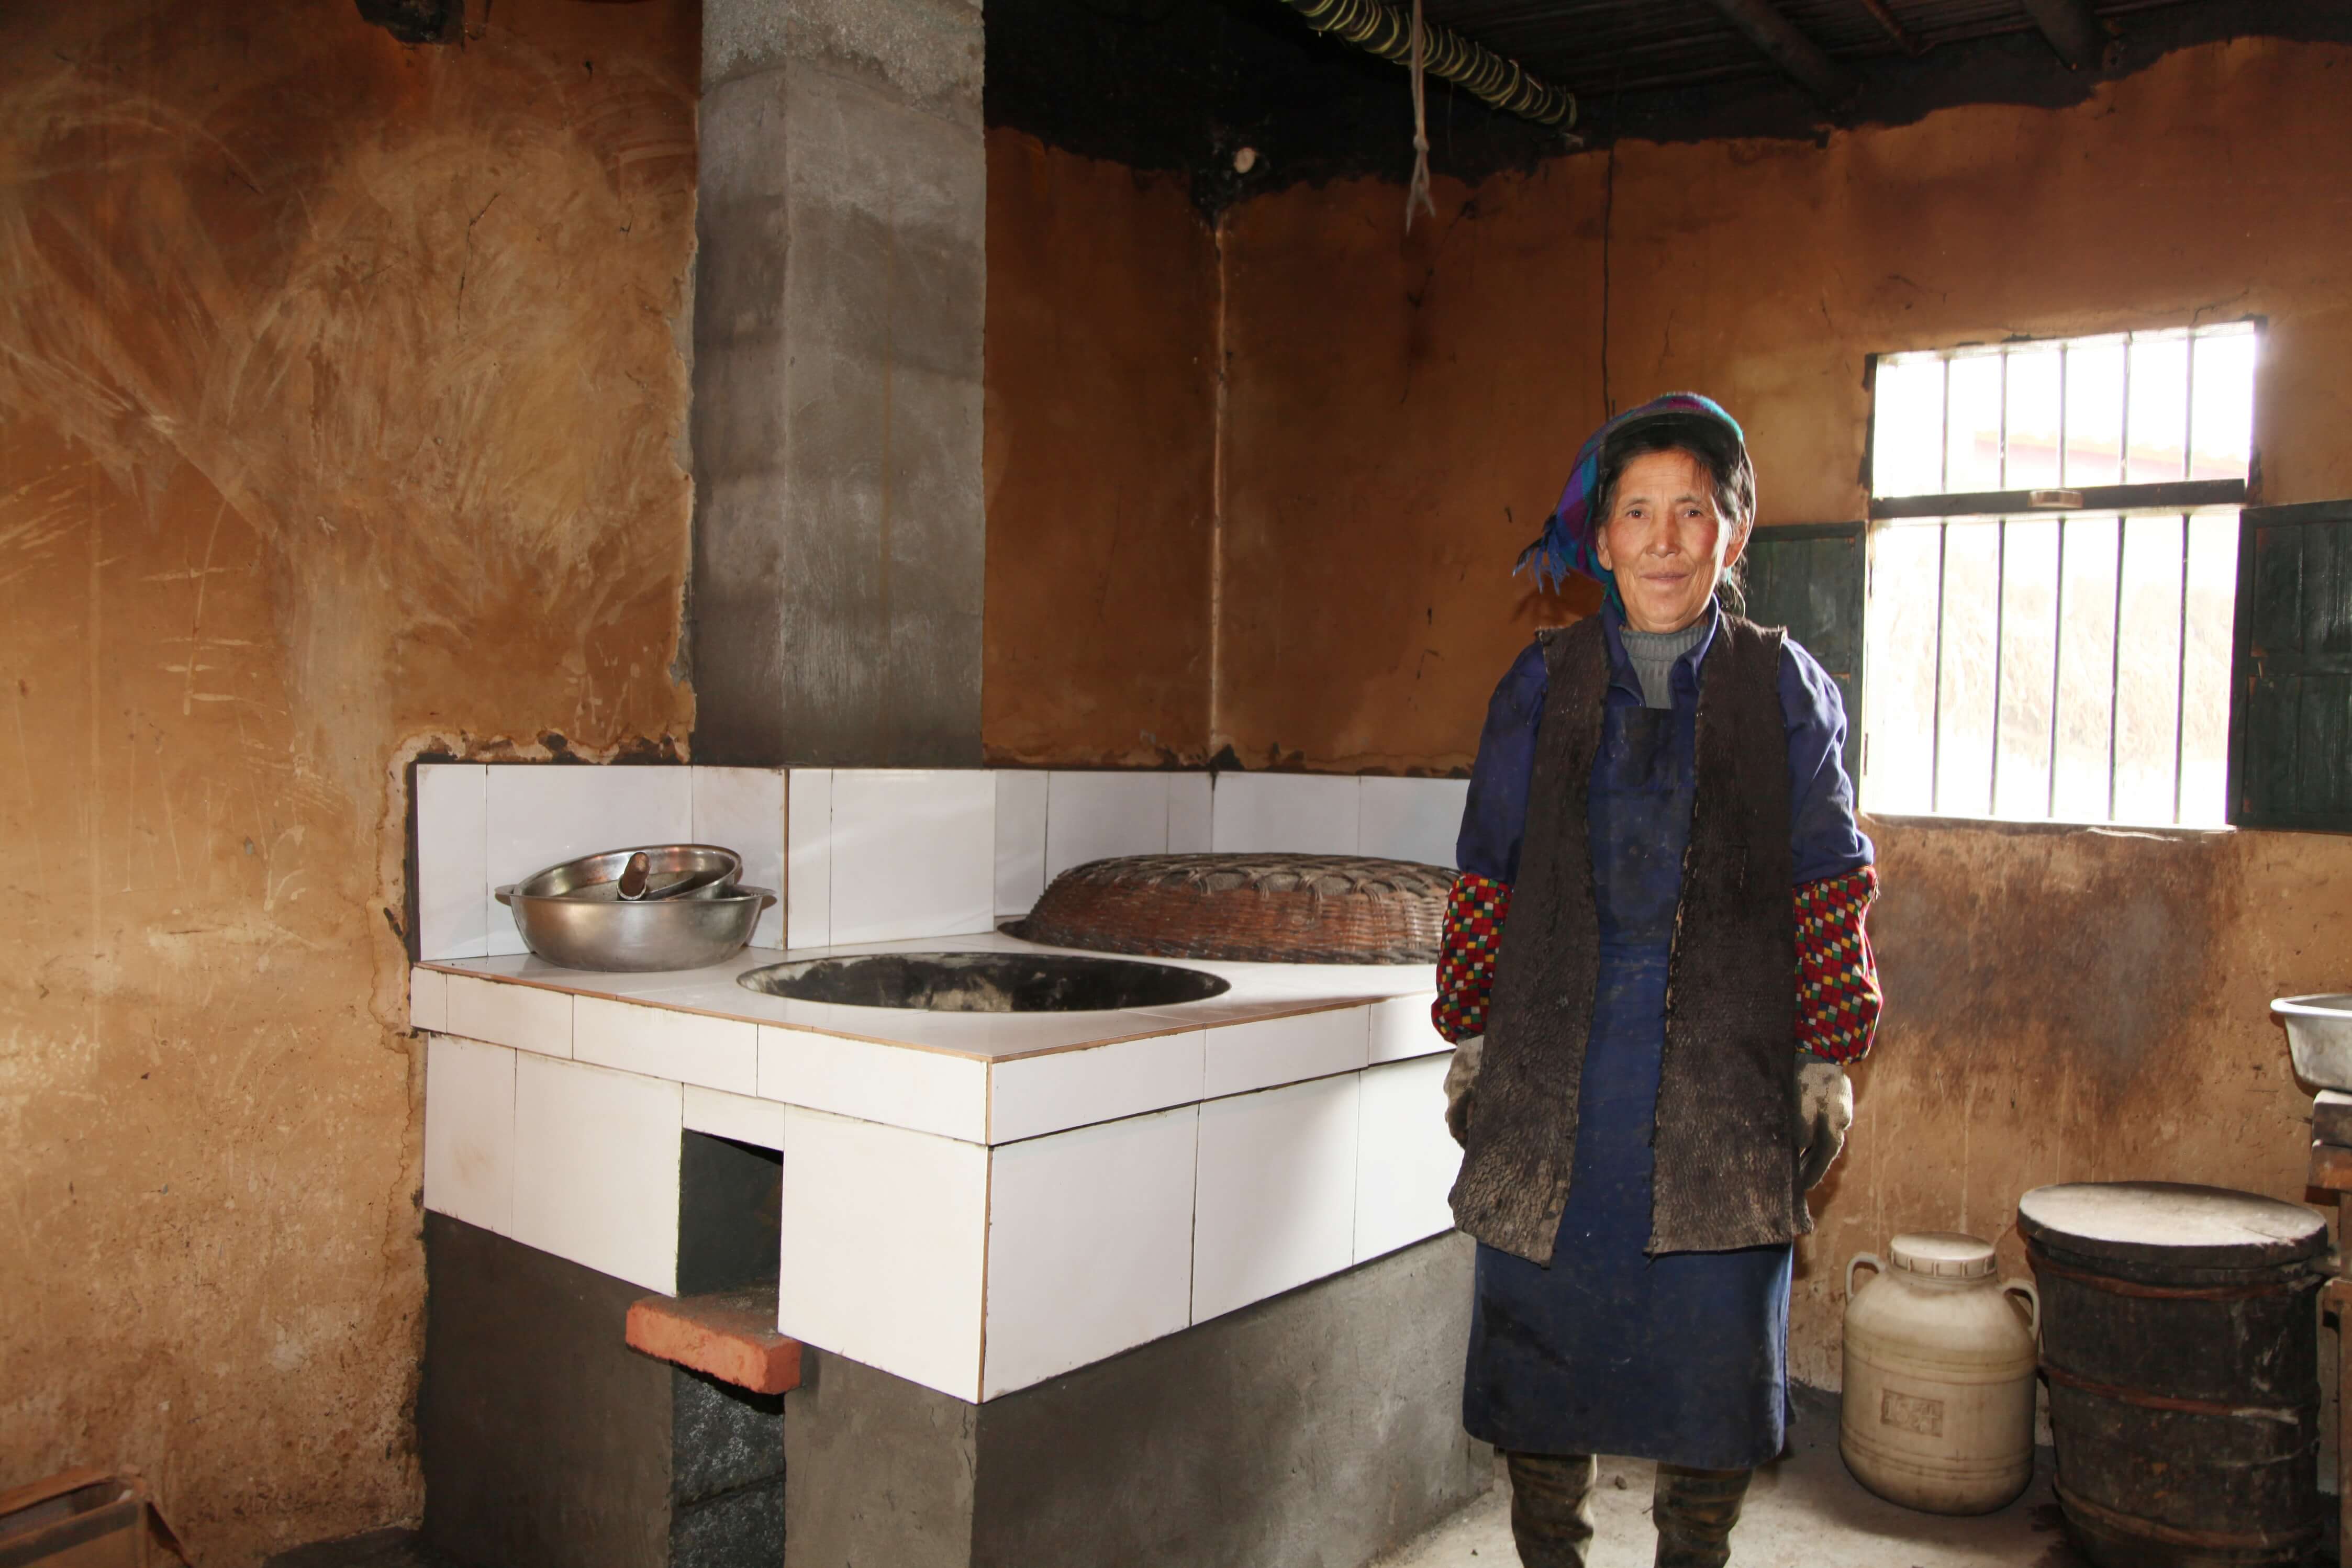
[{"x": 1652, "y": 656}]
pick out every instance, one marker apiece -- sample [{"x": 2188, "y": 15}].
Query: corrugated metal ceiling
[{"x": 1594, "y": 46}]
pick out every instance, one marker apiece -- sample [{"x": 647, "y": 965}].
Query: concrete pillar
[{"x": 839, "y": 295}]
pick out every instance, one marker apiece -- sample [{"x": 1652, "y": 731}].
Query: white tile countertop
[
  {"x": 988, "y": 1078},
  {"x": 975, "y": 1201}
]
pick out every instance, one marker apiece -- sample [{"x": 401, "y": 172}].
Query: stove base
[
  {"x": 548, "y": 1443},
  {"x": 1322, "y": 1428}
]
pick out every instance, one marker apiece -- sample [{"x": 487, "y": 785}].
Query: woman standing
[{"x": 1654, "y": 969}]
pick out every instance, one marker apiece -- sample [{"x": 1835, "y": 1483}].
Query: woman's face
[{"x": 1665, "y": 542}]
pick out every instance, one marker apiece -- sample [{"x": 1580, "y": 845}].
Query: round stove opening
[{"x": 985, "y": 982}]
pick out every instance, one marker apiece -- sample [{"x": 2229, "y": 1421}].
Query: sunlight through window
[{"x": 2053, "y": 577}]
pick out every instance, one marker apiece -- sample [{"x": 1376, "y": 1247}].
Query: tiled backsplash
[
  {"x": 871, "y": 855},
  {"x": 1411, "y": 819},
  {"x": 539, "y": 816},
  {"x": 742, "y": 808},
  {"x": 1043, "y": 828},
  {"x": 482, "y": 825},
  {"x": 1303, "y": 812},
  {"x": 904, "y": 852}
]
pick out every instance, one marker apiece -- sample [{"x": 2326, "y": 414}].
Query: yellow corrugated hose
[{"x": 1384, "y": 31}]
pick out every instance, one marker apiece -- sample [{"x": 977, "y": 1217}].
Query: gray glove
[
  {"x": 1459, "y": 1077},
  {"x": 1824, "y": 1112}
]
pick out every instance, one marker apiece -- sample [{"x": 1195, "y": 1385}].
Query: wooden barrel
[{"x": 2181, "y": 1348}]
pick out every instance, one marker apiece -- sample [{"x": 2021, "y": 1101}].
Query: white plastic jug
[{"x": 1939, "y": 1377}]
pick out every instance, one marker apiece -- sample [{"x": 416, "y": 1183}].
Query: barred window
[{"x": 2052, "y": 573}]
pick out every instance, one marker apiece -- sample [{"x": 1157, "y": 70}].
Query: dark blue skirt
[{"x": 1681, "y": 1357}]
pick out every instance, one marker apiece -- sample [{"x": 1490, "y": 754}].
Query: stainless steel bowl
[
  {"x": 674, "y": 871},
  {"x": 572, "y": 913},
  {"x": 2319, "y": 1037}
]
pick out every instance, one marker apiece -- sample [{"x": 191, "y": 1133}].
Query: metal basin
[
  {"x": 694, "y": 913},
  {"x": 2319, "y": 1036},
  {"x": 673, "y": 871},
  {"x": 984, "y": 982},
  {"x": 688, "y": 932}
]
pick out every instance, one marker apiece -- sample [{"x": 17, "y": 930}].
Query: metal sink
[
  {"x": 984, "y": 982},
  {"x": 2319, "y": 1036}
]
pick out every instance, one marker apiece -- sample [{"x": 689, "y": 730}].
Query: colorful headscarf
[{"x": 1568, "y": 542}]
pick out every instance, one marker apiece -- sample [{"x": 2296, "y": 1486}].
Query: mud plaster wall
[
  {"x": 1100, "y": 461},
  {"x": 341, "y": 409},
  {"x": 2062, "y": 1005}
]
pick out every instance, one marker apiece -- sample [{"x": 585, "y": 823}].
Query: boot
[
  {"x": 1551, "y": 1508},
  {"x": 1694, "y": 1511}
]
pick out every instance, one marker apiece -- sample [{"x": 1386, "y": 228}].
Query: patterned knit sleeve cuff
[
  {"x": 1465, "y": 958},
  {"x": 1838, "y": 999}
]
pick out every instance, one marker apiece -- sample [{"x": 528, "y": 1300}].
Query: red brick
[{"x": 730, "y": 1335}]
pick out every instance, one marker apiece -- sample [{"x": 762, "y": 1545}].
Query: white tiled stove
[{"x": 976, "y": 1202}]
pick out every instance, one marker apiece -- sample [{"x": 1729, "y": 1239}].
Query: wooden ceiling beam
[
  {"x": 1909, "y": 42},
  {"x": 1800, "y": 57},
  {"x": 2072, "y": 30}
]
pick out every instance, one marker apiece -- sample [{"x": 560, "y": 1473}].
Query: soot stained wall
[
  {"x": 1180, "y": 86},
  {"x": 341, "y": 409}
]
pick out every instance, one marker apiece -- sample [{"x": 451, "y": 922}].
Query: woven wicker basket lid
[{"x": 1265, "y": 908}]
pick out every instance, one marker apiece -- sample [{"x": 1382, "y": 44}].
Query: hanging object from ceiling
[
  {"x": 1381, "y": 29},
  {"x": 1416, "y": 194}
]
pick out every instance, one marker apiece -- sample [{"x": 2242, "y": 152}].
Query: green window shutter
[
  {"x": 2291, "y": 680},
  {"x": 1808, "y": 577}
]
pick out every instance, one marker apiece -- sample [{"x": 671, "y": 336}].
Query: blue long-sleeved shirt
[{"x": 1823, "y": 839}]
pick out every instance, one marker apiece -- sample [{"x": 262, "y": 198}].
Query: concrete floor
[
  {"x": 1806, "y": 1511},
  {"x": 392, "y": 1547}
]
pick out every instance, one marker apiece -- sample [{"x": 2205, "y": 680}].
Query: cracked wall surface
[{"x": 341, "y": 416}]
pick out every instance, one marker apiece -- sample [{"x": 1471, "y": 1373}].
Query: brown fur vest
[{"x": 1726, "y": 1131}]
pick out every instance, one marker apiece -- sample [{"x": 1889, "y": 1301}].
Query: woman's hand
[
  {"x": 1460, "y": 1076},
  {"x": 1825, "y": 1113}
]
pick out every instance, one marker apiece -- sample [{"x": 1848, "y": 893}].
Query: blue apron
[{"x": 1681, "y": 1357}]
